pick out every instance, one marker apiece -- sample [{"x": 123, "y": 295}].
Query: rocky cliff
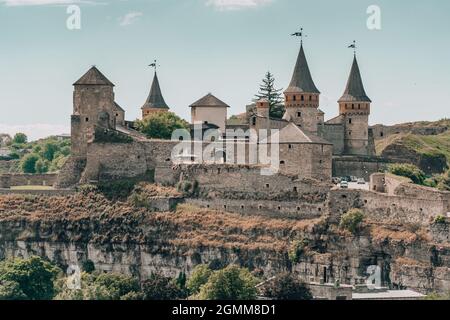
[{"x": 124, "y": 237}]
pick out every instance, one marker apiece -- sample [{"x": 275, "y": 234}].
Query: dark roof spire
[
  {"x": 301, "y": 79},
  {"x": 355, "y": 88},
  {"x": 155, "y": 98}
]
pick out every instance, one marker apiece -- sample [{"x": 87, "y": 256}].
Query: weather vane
[
  {"x": 353, "y": 46},
  {"x": 299, "y": 34},
  {"x": 154, "y": 65}
]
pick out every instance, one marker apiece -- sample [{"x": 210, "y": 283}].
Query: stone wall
[
  {"x": 361, "y": 167},
  {"x": 335, "y": 134},
  {"x": 384, "y": 208},
  {"x": 382, "y": 131},
  {"x": 13, "y": 180}
]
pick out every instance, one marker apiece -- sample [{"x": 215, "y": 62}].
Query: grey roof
[
  {"x": 293, "y": 134},
  {"x": 355, "y": 88},
  {"x": 118, "y": 106},
  {"x": 155, "y": 98},
  {"x": 93, "y": 77},
  {"x": 209, "y": 101},
  {"x": 301, "y": 79}
]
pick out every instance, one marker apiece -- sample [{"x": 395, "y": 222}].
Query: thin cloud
[
  {"x": 224, "y": 5},
  {"x": 130, "y": 18}
]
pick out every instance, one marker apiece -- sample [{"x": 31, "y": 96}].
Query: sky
[{"x": 220, "y": 46}]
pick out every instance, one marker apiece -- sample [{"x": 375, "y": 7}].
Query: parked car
[
  {"x": 337, "y": 180},
  {"x": 361, "y": 181},
  {"x": 353, "y": 179},
  {"x": 344, "y": 185}
]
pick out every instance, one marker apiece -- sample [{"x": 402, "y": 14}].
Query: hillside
[{"x": 431, "y": 153}]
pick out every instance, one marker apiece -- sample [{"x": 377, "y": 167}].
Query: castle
[{"x": 309, "y": 146}]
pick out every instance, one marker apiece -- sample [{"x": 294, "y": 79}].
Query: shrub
[
  {"x": 28, "y": 163},
  {"x": 352, "y": 220},
  {"x": 409, "y": 171},
  {"x": 440, "y": 220},
  {"x": 199, "y": 277},
  {"x": 41, "y": 166},
  {"x": 297, "y": 249},
  {"x": 287, "y": 287},
  {"x": 231, "y": 283},
  {"x": 10, "y": 290},
  {"x": 88, "y": 266},
  {"x": 118, "y": 285}
]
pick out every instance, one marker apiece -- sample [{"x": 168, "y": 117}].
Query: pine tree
[{"x": 267, "y": 91}]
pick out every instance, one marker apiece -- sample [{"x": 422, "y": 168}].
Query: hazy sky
[{"x": 223, "y": 47}]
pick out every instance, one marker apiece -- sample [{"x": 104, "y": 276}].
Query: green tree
[
  {"x": 408, "y": 170},
  {"x": 199, "y": 277},
  {"x": 49, "y": 149},
  {"x": 444, "y": 183},
  {"x": 10, "y": 290},
  {"x": 28, "y": 163},
  {"x": 34, "y": 276},
  {"x": 118, "y": 285},
  {"x": 20, "y": 138},
  {"x": 41, "y": 166},
  {"x": 231, "y": 283},
  {"x": 158, "y": 287},
  {"x": 161, "y": 125},
  {"x": 352, "y": 220},
  {"x": 267, "y": 91},
  {"x": 287, "y": 287}
]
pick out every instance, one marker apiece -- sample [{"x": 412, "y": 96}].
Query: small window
[
  {"x": 302, "y": 98},
  {"x": 207, "y": 206},
  {"x": 260, "y": 207},
  {"x": 299, "y": 114},
  {"x": 279, "y": 207},
  {"x": 353, "y": 106},
  {"x": 254, "y": 121},
  {"x": 349, "y": 133},
  {"x": 282, "y": 162},
  {"x": 87, "y": 119},
  {"x": 295, "y": 98},
  {"x": 381, "y": 134},
  {"x": 295, "y": 189},
  {"x": 218, "y": 171},
  {"x": 310, "y": 98},
  {"x": 242, "y": 206},
  {"x": 298, "y": 208},
  {"x": 224, "y": 206},
  {"x": 267, "y": 185},
  {"x": 290, "y": 146},
  {"x": 350, "y": 121}
]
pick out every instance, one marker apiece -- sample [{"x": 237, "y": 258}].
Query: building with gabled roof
[{"x": 210, "y": 110}]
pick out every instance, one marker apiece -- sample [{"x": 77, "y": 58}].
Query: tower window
[
  {"x": 254, "y": 121},
  {"x": 302, "y": 98},
  {"x": 353, "y": 106},
  {"x": 310, "y": 98},
  {"x": 350, "y": 121},
  {"x": 299, "y": 114},
  {"x": 295, "y": 98},
  {"x": 87, "y": 119},
  {"x": 282, "y": 162},
  {"x": 290, "y": 146},
  {"x": 349, "y": 133}
]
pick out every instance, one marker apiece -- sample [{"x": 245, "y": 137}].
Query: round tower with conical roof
[
  {"x": 302, "y": 96},
  {"x": 354, "y": 107}
]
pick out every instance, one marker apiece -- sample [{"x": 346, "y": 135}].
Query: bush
[
  {"x": 41, "y": 166},
  {"x": 231, "y": 283},
  {"x": 297, "y": 249},
  {"x": 161, "y": 125},
  {"x": 88, "y": 266},
  {"x": 287, "y": 287},
  {"x": 409, "y": 171},
  {"x": 10, "y": 290},
  {"x": 158, "y": 287},
  {"x": 440, "y": 220},
  {"x": 118, "y": 285},
  {"x": 199, "y": 277},
  {"x": 34, "y": 277},
  {"x": 352, "y": 220},
  {"x": 28, "y": 163}
]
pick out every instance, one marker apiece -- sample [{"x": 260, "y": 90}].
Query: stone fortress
[
  {"x": 310, "y": 147},
  {"x": 106, "y": 147}
]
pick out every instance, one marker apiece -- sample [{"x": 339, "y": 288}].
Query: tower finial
[
  {"x": 154, "y": 65},
  {"x": 299, "y": 34},
  {"x": 353, "y": 46}
]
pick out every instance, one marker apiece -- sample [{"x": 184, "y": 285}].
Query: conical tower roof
[
  {"x": 355, "y": 88},
  {"x": 94, "y": 77},
  {"x": 301, "y": 79},
  {"x": 155, "y": 98}
]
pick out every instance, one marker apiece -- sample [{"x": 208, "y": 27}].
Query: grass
[
  {"x": 426, "y": 145},
  {"x": 32, "y": 188}
]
